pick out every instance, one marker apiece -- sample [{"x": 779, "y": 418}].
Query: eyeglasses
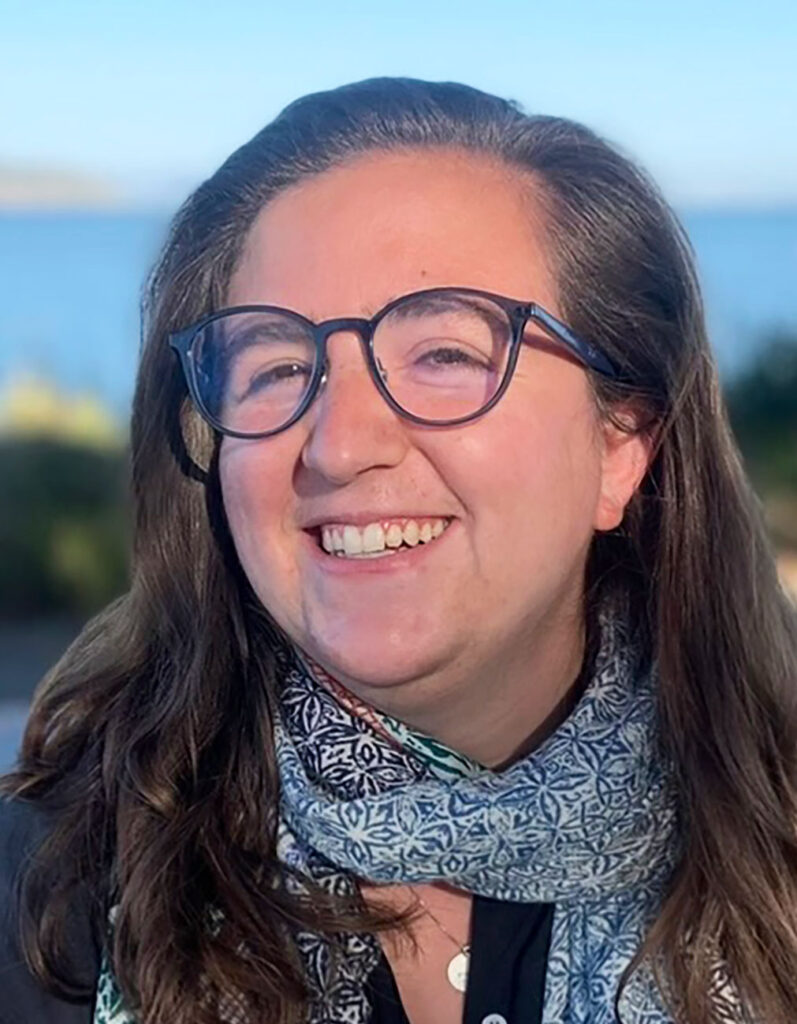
[{"x": 439, "y": 357}]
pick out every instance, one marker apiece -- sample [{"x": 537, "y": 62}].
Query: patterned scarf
[{"x": 587, "y": 821}]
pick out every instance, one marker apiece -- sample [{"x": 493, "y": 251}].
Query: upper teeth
[{"x": 353, "y": 540}]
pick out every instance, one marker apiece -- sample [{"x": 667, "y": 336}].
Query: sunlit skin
[{"x": 478, "y": 642}]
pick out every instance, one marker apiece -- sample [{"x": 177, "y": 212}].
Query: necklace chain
[
  {"x": 442, "y": 928},
  {"x": 458, "y": 966}
]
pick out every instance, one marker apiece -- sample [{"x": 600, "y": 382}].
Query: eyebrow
[
  {"x": 451, "y": 303},
  {"x": 252, "y": 334}
]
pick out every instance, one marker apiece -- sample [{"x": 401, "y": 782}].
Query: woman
[{"x": 455, "y": 681}]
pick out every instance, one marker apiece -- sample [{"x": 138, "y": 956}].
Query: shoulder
[{"x": 23, "y": 827}]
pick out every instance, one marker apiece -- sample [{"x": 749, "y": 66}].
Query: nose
[{"x": 351, "y": 426}]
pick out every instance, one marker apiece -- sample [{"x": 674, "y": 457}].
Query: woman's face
[{"x": 524, "y": 486}]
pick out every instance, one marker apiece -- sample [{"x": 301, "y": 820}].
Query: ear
[{"x": 624, "y": 462}]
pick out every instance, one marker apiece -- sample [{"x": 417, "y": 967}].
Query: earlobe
[{"x": 625, "y": 460}]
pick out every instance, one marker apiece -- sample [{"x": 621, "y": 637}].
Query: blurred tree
[
  {"x": 762, "y": 404},
  {"x": 64, "y": 527}
]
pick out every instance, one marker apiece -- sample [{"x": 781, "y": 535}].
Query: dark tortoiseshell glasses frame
[{"x": 519, "y": 315}]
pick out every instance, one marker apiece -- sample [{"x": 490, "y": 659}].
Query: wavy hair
[{"x": 152, "y": 735}]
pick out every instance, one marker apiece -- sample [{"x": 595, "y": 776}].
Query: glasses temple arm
[{"x": 588, "y": 352}]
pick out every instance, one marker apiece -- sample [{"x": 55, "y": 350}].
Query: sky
[{"x": 154, "y": 94}]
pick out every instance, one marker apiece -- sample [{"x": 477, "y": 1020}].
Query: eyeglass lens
[{"x": 441, "y": 357}]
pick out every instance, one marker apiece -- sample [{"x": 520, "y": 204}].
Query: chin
[{"x": 364, "y": 659}]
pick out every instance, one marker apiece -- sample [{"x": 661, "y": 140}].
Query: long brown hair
[{"x": 151, "y": 738}]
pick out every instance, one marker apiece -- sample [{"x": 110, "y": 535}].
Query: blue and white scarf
[{"x": 587, "y": 821}]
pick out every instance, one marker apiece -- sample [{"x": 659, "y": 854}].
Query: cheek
[
  {"x": 236, "y": 488},
  {"x": 534, "y": 476},
  {"x": 251, "y": 504}
]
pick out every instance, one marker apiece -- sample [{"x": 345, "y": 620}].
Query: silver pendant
[{"x": 458, "y": 969}]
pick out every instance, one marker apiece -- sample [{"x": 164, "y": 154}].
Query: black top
[
  {"x": 509, "y": 950},
  {"x": 508, "y": 957},
  {"x": 22, "y": 999}
]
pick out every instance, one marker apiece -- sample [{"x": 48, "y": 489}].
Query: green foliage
[
  {"x": 762, "y": 403},
  {"x": 64, "y": 527}
]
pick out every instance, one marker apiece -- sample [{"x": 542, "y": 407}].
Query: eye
[
  {"x": 285, "y": 371},
  {"x": 453, "y": 355},
  {"x": 268, "y": 378}
]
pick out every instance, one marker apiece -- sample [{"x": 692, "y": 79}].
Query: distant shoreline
[
  {"x": 127, "y": 207},
  {"x": 48, "y": 188},
  {"x": 33, "y": 188}
]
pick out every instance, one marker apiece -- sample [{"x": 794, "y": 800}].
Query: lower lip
[{"x": 405, "y": 558}]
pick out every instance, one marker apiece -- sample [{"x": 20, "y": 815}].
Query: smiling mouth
[{"x": 379, "y": 539}]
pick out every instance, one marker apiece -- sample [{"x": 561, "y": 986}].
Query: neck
[
  {"x": 531, "y": 688},
  {"x": 529, "y": 695}
]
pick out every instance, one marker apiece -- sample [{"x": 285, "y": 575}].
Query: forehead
[{"x": 350, "y": 239}]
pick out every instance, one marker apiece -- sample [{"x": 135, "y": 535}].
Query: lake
[{"x": 70, "y": 287}]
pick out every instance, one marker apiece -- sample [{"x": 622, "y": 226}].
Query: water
[
  {"x": 69, "y": 295},
  {"x": 70, "y": 284},
  {"x": 748, "y": 269}
]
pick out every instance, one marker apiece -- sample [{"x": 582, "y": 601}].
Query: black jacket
[{"x": 22, "y": 999}]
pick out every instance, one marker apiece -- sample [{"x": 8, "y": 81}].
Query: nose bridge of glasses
[{"x": 343, "y": 325}]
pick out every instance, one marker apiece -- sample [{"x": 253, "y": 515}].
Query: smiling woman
[
  {"x": 454, "y": 629},
  {"x": 515, "y": 545}
]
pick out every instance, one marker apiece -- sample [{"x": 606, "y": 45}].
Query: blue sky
[{"x": 155, "y": 94}]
